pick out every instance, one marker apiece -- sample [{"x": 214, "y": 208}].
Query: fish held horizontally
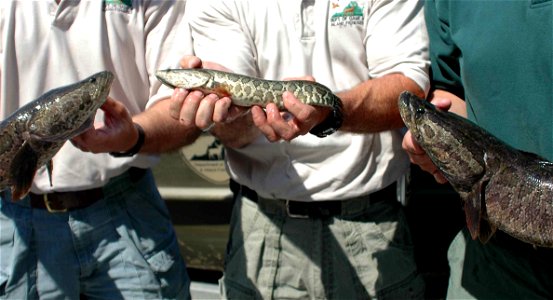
[
  {"x": 248, "y": 91},
  {"x": 502, "y": 188},
  {"x": 34, "y": 133}
]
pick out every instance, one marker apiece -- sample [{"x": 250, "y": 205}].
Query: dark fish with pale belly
[
  {"x": 502, "y": 188},
  {"x": 34, "y": 133},
  {"x": 248, "y": 91}
]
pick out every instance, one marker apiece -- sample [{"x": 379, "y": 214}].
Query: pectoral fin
[
  {"x": 23, "y": 169},
  {"x": 476, "y": 215},
  {"x": 49, "y": 169},
  {"x": 473, "y": 213}
]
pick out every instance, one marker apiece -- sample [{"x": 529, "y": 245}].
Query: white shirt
[
  {"x": 45, "y": 45},
  {"x": 340, "y": 43}
]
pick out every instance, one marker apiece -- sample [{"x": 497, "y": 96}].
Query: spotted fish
[
  {"x": 248, "y": 91},
  {"x": 33, "y": 134},
  {"x": 502, "y": 188}
]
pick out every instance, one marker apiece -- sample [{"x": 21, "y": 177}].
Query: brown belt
[{"x": 65, "y": 201}]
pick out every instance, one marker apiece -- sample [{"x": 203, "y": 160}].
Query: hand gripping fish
[
  {"x": 33, "y": 134},
  {"x": 248, "y": 91},
  {"x": 502, "y": 188}
]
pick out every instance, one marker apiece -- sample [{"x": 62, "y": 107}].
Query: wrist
[
  {"x": 137, "y": 146},
  {"x": 331, "y": 123}
]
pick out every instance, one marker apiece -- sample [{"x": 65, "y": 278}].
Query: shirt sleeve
[
  {"x": 218, "y": 22},
  {"x": 444, "y": 54},
  {"x": 167, "y": 38},
  {"x": 396, "y": 40}
]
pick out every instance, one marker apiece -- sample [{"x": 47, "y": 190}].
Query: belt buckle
[
  {"x": 49, "y": 207},
  {"x": 293, "y": 215}
]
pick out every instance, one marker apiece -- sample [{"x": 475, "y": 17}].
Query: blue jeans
[{"x": 121, "y": 247}]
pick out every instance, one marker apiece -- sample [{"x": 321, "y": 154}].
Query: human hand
[
  {"x": 417, "y": 155},
  {"x": 193, "y": 107},
  {"x": 298, "y": 119},
  {"x": 116, "y": 134}
]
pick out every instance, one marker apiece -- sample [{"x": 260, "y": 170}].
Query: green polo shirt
[{"x": 497, "y": 55}]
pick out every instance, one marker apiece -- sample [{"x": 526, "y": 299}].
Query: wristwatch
[
  {"x": 136, "y": 148},
  {"x": 332, "y": 123}
]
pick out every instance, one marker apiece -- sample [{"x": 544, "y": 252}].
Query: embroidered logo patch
[
  {"x": 124, "y": 6},
  {"x": 346, "y": 13}
]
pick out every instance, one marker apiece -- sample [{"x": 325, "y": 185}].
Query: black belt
[
  {"x": 303, "y": 209},
  {"x": 67, "y": 201}
]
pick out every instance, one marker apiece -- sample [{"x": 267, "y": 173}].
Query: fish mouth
[
  {"x": 108, "y": 78},
  {"x": 406, "y": 104}
]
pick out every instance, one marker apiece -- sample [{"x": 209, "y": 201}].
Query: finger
[
  {"x": 76, "y": 141},
  {"x": 114, "y": 108},
  {"x": 286, "y": 130},
  {"x": 190, "y": 61},
  {"x": 236, "y": 112},
  {"x": 114, "y": 111},
  {"x": 427, "y": 165},
  {"x": 80, "y": 146},
  {"x": 80, "y": 141},
  {"x": 204, "y": 116},
  {"x": 221, "y": 110},
  {"x": 308, "y": 78},
  {"x": 177, "y": 100},
  {"x": 442, "y": 103},
  {"x": 260, "y": 120},
  {"x": 190, "y": 108},
  {"x": 305, "y": 116},
  {"x": 410, "y": 145},
  {"x": 439, "y": 177},
  {"x": 418, "y": 156},
  {"x": 215, "y": 66}
]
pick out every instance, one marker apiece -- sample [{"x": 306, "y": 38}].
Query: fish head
[
  {"x": 184, "y": 78},
  {"x": 67, "y": 111},
  {"x": 449, "y": 140}
]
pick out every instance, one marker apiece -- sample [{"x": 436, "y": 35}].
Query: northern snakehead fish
[
  {"x": 34, "y": 133},
  {"x": 502, "y": 187},
  {"x": 246, "y": 90}
]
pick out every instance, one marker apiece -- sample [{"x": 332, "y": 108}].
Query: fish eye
[
  {"x": 419, "y": 112},
  {"x": 92, "y": 80}
]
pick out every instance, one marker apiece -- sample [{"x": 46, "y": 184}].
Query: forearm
[
  {"x": 372, "y": 105},
  {"x": 164, "y": 133}
]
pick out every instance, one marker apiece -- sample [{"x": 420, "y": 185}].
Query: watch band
[
  {"x": 332, "y": 123},
  {"x": 136, "y": 148}
]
